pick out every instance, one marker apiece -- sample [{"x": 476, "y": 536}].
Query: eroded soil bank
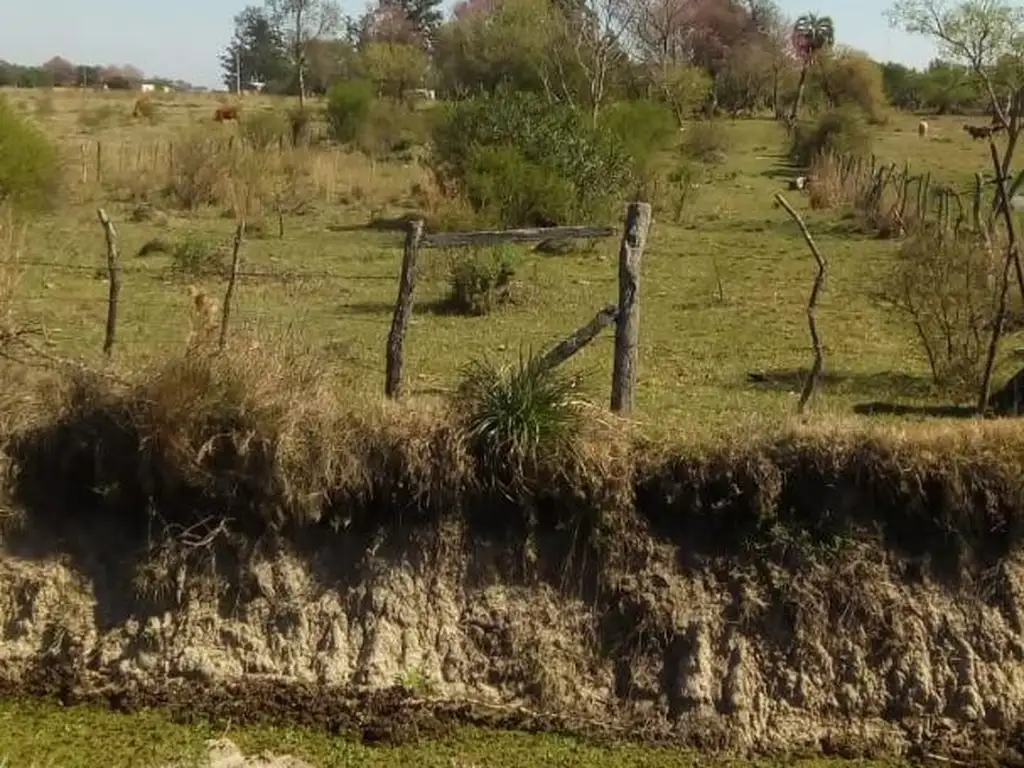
[{"x": 851, "y": 649}]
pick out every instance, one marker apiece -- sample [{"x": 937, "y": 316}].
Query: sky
[{"x": 183, "y": 39}]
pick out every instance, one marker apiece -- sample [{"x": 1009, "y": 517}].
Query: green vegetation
[
  {"x": 29, "y": 161},
  {"x": 348, "y": 109},
  {"x": 36, "y": 733}
]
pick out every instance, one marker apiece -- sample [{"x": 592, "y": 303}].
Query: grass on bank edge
[{"x": 37, "y": 733}]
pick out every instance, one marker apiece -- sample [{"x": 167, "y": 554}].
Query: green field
[
  {"x": 723, "y": 292},
  {"x": 37, "y": 734}
]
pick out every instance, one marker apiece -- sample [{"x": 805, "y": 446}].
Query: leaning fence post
[
  {"x": 114, "y": 270},
  {"x": 627, "y": 327},
  {"x": 403, "y": 311},
  {"x": 230, "y": 290}
]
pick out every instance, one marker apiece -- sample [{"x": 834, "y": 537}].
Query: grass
[
  {"x": 34, "y": 733},
  {"x": 722, "y": 296}
]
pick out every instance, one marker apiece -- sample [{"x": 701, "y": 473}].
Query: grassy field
[
  {"x": 39, "y": 734},
  {"x": 723, "y": 291}
]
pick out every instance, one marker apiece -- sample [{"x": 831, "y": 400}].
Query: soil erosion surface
[{"x": 815, "y": 591}]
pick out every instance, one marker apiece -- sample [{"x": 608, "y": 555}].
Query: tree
[
  {"x": 256, "y": 52},
  {"x": 811, "y": 35},
  {"x": 300, "y": 22},
  {"x": 976, "y": 33},
  {"x": 395, "y": 67},
  {"x": 61, "y": 70}
]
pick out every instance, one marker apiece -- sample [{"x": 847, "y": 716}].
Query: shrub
[
  {"x": 392, "y": 126},
  {"x": 589, "y": 160},
  {"x": 348, "y": 109},
  {"x": 200, "y": 165},
  {"x": 195, "y": 257},
  {"x": 851, "y": 78},
  {"x": 644, "y": 128},
  {"x": 706, "y": 141},
  {"x": 518, "y": 418},
  {"x": 145, "y": 108},
  {"x": 29, "y": 162},
  {"x": 946, "y": 285},
  {"x": 683, "y": 184},
  {"x": 300, "y": 120},
  {"x": 479, "y": 280},
  {"x": 514, "y": 191},
  {"x": 264, "y": 129},
  {"x": 843, "y": 130}
]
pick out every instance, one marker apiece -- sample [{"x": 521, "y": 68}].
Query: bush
[
  {"x": 391, "y": 127},
  {"x": 590, "y": 161},
  {"x": 29, "y": 162},
  {"x": 263, "y": 130},
  {"x": 300, "y": 120},
  {"x": 195, "y": 257},
  {"x": 479, "y": 280},
  {"x": 519, "y": 418},
  {"x": 843, "y": 130},
  {"x": 706, "y": 141},
  {"x": 201, "y": 163},
  {"x": 514, "y": 191},
  {"x": 644, "y": 128},
  {"x": 946, "y": 286},
  {"x": 852, "y": 79},
  {"x": 348, "y": 109},
  {"x": 145, "y": 108}
]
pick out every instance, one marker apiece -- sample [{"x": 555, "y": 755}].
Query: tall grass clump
[
  {"x": 517, "y": 144},
  {"x": 844, "y": 130},
  {"x": 348, "y": 109},
  {"x": 520, "y": 420},
  {"x": 29, "y": 162}
]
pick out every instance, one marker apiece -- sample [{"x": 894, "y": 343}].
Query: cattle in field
[
  {"x": 982, "y": 131},
  {"x": 226, "y": 113},
  {"x": 922, "y": 129}
]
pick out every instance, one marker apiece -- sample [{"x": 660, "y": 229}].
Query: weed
[
  {"x": 479, "y": 280},
  {"x": 29, "y": 162}
]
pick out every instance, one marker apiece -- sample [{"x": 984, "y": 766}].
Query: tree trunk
[{"x": 799, "y": 93}]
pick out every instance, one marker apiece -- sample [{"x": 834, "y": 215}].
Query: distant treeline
[{"x": 59, "y": 71}]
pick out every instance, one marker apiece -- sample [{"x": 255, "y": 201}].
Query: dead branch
[{"x": 812, "y": 305}]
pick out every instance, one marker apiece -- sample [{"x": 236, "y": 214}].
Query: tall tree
[
  {"x": 811, "y": 35},
  {"x": 256, "y": 52},
  {"x": 61, "y": 70},
  {"x": 300, "y": 22}
]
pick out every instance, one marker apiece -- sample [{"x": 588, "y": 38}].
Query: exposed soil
[{"x": 399, "y": 637}]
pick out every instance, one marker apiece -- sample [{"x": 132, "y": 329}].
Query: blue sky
[{"x": 183, "y": 38}]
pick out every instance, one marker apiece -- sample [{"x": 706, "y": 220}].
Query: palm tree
[{"x": 811, "y": 35}]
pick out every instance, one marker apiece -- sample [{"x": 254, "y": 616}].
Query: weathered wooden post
[
  {"x": 99, "y": 162},
  {"x": 403, "y": 311},
  {"x": 627, "y": 328},
  {"x": 225, "y": 315},
  {"x": 114, "y": 270}
]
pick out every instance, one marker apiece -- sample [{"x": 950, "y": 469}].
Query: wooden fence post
[
  {"x": 114, "y": 270},
  {"x": 403, "y": 311},
  {"x": 627, "y": 328},
  {"x": 225, "y": 314},
  {"x": 99, "y": 162}
]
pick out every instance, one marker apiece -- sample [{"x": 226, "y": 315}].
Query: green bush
[
  {"x": 590, "y": 161},
  {"x": 706, "y": 141},
  {"x": 519, "y": 418},
  {"x": 479, "y": 280},
  {"x": 264, "y": 129},
  {"x": 348, "y": 109},
  {"x": 514, "y": 191},
  {"x": 844, "y": 130},
  {"x": 29, "y": 162},
  {"x": 195, "y": 256},
  {"x": 644, "y": 128},
  {"x": 391, "y": 127}
]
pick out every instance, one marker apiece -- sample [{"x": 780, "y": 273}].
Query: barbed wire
[{"x": 280, "y": 274}]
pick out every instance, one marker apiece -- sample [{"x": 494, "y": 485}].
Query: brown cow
[{"x": 226, "y": 113}]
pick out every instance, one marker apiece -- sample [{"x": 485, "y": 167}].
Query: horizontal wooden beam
[{"x": 496, "y": 236}]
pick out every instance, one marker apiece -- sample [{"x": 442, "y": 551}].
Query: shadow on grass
[
  {"x": 880, "y": 408},
  {"x": 881, "y": 384}
]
